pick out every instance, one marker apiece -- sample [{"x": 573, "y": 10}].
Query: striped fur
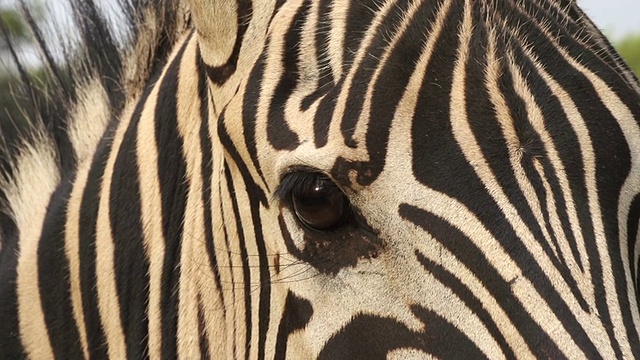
[{"x": 489, "y": 151}]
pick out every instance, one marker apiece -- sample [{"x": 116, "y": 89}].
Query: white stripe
[
  {"x": 72, "y": 249},
  {"x": 29, "y": 203}
]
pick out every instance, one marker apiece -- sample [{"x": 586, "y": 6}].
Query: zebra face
[
  {"x": 433, "y": 168},
  {"x": 332, "y": 179}
]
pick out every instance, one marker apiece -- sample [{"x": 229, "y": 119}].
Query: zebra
[{"x": 329, "y": 179}]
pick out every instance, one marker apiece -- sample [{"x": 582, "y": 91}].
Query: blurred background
[{"x": 618, "y": 19}]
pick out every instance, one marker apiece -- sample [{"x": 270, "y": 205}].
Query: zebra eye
[{"x": 319, "y": 204}]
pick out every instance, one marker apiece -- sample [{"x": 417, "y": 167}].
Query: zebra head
[
  {"x": 452, "y": 178},
  {"x": 332, "y": 179}
]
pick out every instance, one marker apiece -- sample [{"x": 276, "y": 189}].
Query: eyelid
[{"x": 295, "y": 178}]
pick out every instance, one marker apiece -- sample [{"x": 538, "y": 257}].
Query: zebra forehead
[
  {"x": 348, "y": 77},
  {"x": 337, "y": 31}
]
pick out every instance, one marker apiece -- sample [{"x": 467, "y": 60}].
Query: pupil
[{"x": 321, "y": 206}]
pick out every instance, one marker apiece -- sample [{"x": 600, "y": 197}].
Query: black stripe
[
  {"x": 88, "y": 217},
  {"x": 328, "y": 88},
  {"x": 244, "y": 257},
  {"x": 53, "y": 277},
  {"x": 296, "y": 315},
  {"x": 389, "y": 88},
  {"x": 358, "y": 23},
  {"x": 258, "y": 198},
  {"x": 252, "y": 94},
  {"x": 202, "y": 332},
  {"x": 394, "y": 77},
  {"x": 231, "y": 285},
  {"x": 173, "y": 189},
  {"x": 277, "y": 8},
  {"x": 471, "y": 301},
  {"x": 611, "y": 154},
  {"x": 324, "y": 114},
  {"x": 96, "y": 340},
  {"x": 207, "y": 174},
  {"x": 440, "y": 165},
  {"x": 487, "y": 129},
  {"x": 10, "y": 346},
  {"x": 534, "y": 151},
  {"x": 584, "y": 49},
  {"x": 131, "y": 266},
  {"x": 633, "y": 223},
  {"x": 229, "y": 147},
  {"x": 565, "y": 141},
  {"x": 256, "y": 194},
  {"x": 373, "y": 337},
  {"x": 264, "y": 305},
  {"x": 321, "y": 37},
  {"x": 280, "y": 136},
  {"x": 466, "y": 251}
]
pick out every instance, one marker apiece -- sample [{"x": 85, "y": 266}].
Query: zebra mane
[{"x": 66, "y": 119}]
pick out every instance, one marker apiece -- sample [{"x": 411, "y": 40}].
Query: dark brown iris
[{"x": 320, "y": 205}]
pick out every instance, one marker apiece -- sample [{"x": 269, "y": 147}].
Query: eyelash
[{"x": 296, "y": 180}]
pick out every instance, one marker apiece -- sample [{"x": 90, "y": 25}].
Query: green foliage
[
  {"x": 14, "y": 24},
  {"x": 629, "y": 49},
  {"x": 16, "y": 105}
]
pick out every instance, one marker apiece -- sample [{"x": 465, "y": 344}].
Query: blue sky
[{"x": 615, "y": 17}]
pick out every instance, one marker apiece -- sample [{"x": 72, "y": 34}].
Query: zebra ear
[{"x": 227, "y": 30}]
